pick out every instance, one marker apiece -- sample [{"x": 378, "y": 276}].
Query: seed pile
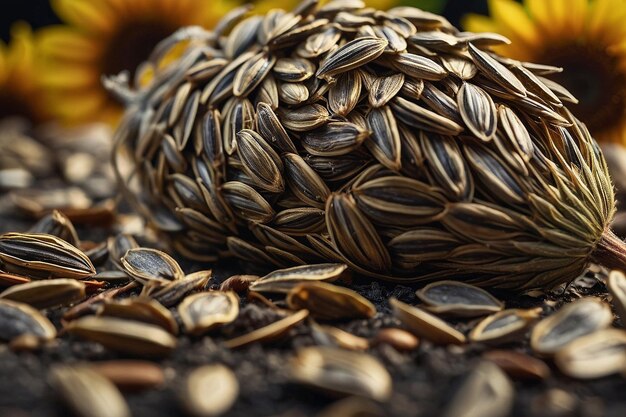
[{"x": 388, "y": 141}]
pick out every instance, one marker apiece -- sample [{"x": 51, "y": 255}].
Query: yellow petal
[
  {"x": 479, "y": 23},
  {"x": 551, "y": 15},
  {"x": 55, "y": 75},
  {"x": 89, "y": 15},
  {"x": 65, "y": 43},
  {"x": 513, "y": 19}
]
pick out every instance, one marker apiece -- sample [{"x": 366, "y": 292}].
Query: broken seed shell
[
  {"x": 423, "y": 324},
  {"x": 330, "y": 302},
  {"x": 202, "y": 312}
]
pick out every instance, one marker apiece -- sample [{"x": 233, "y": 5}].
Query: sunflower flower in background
[
  {"x": 18, "y": 87},
  {"x": 105, "y": 37},
  {"x": 587, "y": 38}
]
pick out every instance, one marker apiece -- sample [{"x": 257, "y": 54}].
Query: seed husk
[
  {"x": 518, "y": 365},
  {"x": 329, "y": 302},
  {"x": 140, "y": 309},
  {"x": 88, "y": 393},
  {"x": 126, "y": 336},
  {"x": 172, "y": 293},
  {"x": 59, "y": 225},
  {"x": 458, "y": 299},
  {"x": 616, "y": 284},
  {"x": 268, "y": 333},
  {"x": 341, "y": 372},
  {"x": 42, "y": 255},
  {"x": 487, "y": 392},
  {"x": 47, "y": 293},
  {"x": 210, "y": 390},
  {"x": 283, "y": 280},
  {"x": 353, "y": 54},
  {"x": 131, "y": 375},
  {"x": 478, "y": 111},
  {"x": 595, "y": 355},
  {"x": 325, "y": 335},
  {"x": 203, "y": 311},
  {"x": 423, "y": 324},
  {"x": 504, "y": 326},
  {"x": 398, "y": 338},
  {"x": 148, "y": 265},
  {"x": 17, "y": 319},
  {"x": 571, "y": 322}
]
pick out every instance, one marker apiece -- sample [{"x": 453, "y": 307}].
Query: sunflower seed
[
  {"x": 47, "y": 293},
  {"x": 246, "y": 202},
  {"x": 341, "y": 372},
  {"x": 272, "y": 130},
  {"x": 486, "y": 392},
  {"x": 353, "y": 54},
  {"x": 571, "y": 322},
  {"x": 17, "y": 319},
  {"x": 616, "y": 284},
  {"x": 504, "y": 326},
  {"x": 283, "y": 280},
  {"x": 57, "y": 224},
  {"x": 210, "y": 390},
  {"x": 419, "y": 67},
  {"x": 294, "y": 70},
  {"x": 320, "y": 43},
  {"x": 299, "y": 221},
  {"x": 150, "y": 265},
  {"x": 124, "y": 336},
  {"x": 420, "y": 117},
  {"x": 170, "y": 294},
  {"x": 41, "y": 255},
  {"x": 334, "y": 138},
  {"x": 131, "y": 375},
  {"x": 304, "y": 182},
  {"x": 140, "y": 309},
  {"x": 496, "y": 71},
  {"x": 293, "y": 93},
  {"x": 384, "y": 142},
  {"x": 354, "y": 235},
  {"x": 458, "y": 299},
  {"x": 260, "y": 161},
  {"x": 329, "y": 302},
  {"x": 333, "y": 336},
  {"x": 423, "y": 324},
  {"x": 345, "y": 93},
  {"x": 478, "y": 111},
  {"x": 88, "y": 393},
  {"x": 518, "y": 365},
  {"x": 595, "y": 355},
  {"x": 252, "y": 73},
  {"x": 203, "y": 311},
  {"x": 304, "y": 118}
]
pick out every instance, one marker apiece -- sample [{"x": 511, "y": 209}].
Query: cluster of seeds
[{"x": 389, "y": 141}]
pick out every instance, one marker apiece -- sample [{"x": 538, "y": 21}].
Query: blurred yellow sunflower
[
  {"x": 106, "y": 37},
  {"x": 587, "y": 38},
  {"x": 18, "y": 88}
]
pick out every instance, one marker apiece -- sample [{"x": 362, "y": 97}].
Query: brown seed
[
  {"x": 329, "y": 302},
  {"x": 400, "y": 339},
  {"x": 131, "y": 375},
  {"x": 87, "y": 392},
  {"x": 518, "y": 365}
]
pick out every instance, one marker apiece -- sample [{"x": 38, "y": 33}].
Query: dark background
[{"x": 38, "y": 12}]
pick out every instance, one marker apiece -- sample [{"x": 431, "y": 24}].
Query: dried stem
[{"x": 610, "y": 252}]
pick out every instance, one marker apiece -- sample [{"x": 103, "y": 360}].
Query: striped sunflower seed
[
  {"x": 352, "y": 55},
  {"x": 329, "y": 302},
  {"x": 46, "y": 293},
  {"x": 18, "y": 319}
]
